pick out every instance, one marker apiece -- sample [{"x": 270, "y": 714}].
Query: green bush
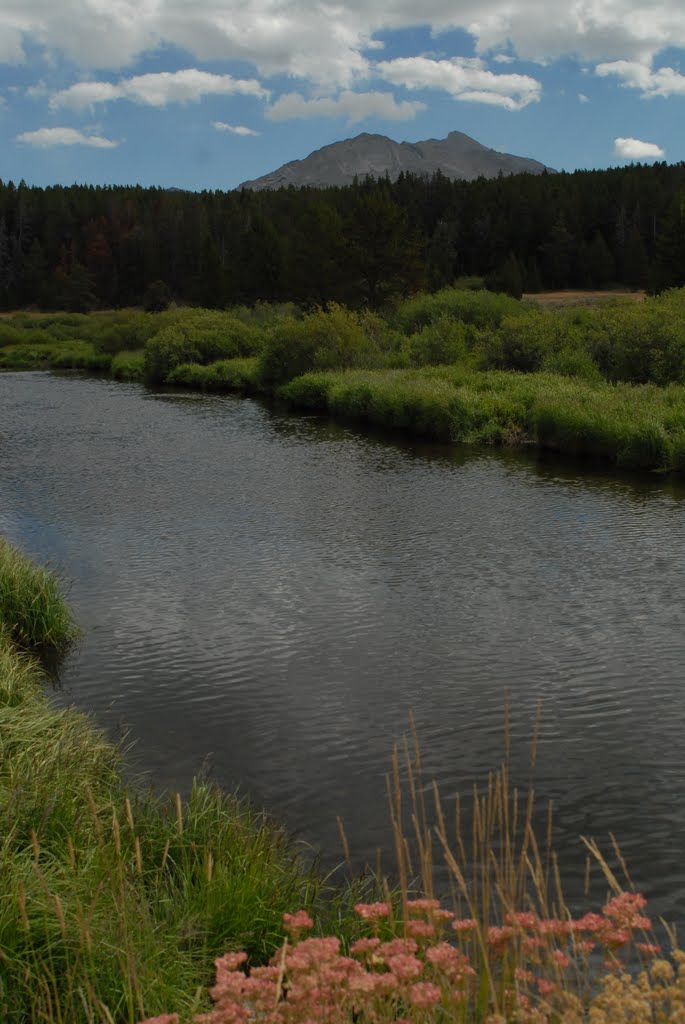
[
  {"x": 165, "y": 350},
  {"x": 325, "y": 339},
  {"x": 197, "y": 336},
  {"x": 223, "y": 375},
  {"x": 128, "y": 365},
  {"x": 444, "y": 341},
  {"x": 480, "y": 308}
]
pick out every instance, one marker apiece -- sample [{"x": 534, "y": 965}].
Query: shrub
[
  {"x": 480, "y": 308},
  {"x": 325, "y": 339},
  {"x": 223, "y": 375},
  {"x": 166, "y": 350},
  {"x": 128, "y": 365},
  {"x": 441, "y": 342}
]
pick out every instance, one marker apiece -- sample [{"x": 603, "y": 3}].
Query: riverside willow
[{"x": 457, "y": 365}]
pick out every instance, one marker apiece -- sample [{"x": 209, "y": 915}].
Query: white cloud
[
  {"x": 329, "y": 42},
  {"x": 464, "y": 78},
  {"x": 157, "y": 90},
  {"x": 635, "y": 75},
  {"x": 234, "y": 129},
  {"x": 635, "y": 149},
  {"x": 355, "y": 106},
  {"x": 45, "y": 138},
  {"x": 503, "y": 58},
  {"x": 582, "y": 98}
]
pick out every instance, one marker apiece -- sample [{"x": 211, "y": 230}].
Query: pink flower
[
  {"x": 648, "y": 948},
  {"x": 498, "y": 937},
  {"x": 422, "y": 906},
  {"x": 545, "y": 987},
  {"x": 523, "y": 920},
  {"x": 560, "y": 958},
  {"x": 420, "y": 929},
  {"x": 405, "y": 967},
  {"x": 298, "y": 922},
  {"x": 425, "y": 994},
  {"x": 373, "y": 911},
  {"x": 363, "y": 947},
  {"x": 465, "y": 925},
  {"x": 398, "y": 947}
]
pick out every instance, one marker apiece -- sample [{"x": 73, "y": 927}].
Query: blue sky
[{"x": 203, "y": 94}]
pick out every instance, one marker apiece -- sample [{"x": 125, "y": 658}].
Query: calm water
[{"x": 266, "y": 598}]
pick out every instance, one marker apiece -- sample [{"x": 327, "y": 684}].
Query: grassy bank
[
  {"x": 636, "y": 427},
  {"x": 113, "y": 902},
  {"x": 607, "y": 380}
]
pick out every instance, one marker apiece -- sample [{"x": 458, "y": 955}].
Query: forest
[{"x": 82, "y": 248}]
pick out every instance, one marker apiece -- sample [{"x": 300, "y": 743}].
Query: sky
[{"x": 204, "y": 94}]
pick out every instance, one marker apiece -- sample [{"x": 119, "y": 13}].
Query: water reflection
[{"x": 277, "y": 593}]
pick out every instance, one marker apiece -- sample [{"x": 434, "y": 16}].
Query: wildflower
[
  {"x": 363, "y": 947},
  {"x": 420, "y": 929},
  {"x": 545, "y": 987},
  {"x": 425, "y": 994},
  {"x": 498, "y": 937},
  {"x": 560, "y": 958},
  {"x": 230, "y": 961},
  {"x": 398, "y": 947},
  {"x": 648, "y": 948},
  {"x": 465, "y": 925},
  {"x": 523, "y": 920},
  {"x": 405, "y": 967},
  {"x": 372, "y": 911},
  {"x": 298, "y": 922},
  {"x": 661, "y": 971},
  {"x": 421, "y": 906}
]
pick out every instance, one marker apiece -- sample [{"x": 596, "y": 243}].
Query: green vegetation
[
  {"x": 224, "y": 375},
  {"x": 506, "y": 949},
  {"x": 32, "y": 610},
  {"x": 459, "y": 365},
  {"x": 114, "y": 902}
]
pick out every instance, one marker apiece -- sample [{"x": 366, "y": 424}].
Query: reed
[{"x": 477, "y": 932}]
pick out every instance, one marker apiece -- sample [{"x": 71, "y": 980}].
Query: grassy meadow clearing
[
  {"x": 461, "y": 365},
  {"x": 116, "y": 905}
]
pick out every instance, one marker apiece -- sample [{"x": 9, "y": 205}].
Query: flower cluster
[{"x": 438, "y": 968}]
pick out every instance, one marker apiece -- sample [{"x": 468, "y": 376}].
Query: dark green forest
[{"x": 86, "y": 247}]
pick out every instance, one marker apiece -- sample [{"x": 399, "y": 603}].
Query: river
[{"x": 265, "y": 598}]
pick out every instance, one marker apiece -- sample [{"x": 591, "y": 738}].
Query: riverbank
[
  {"x": 457, "y": 366},
  {"x": 114, "y": 902}
]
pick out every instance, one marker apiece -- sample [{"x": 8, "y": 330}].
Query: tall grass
[
  {"x": 32, "y": 609},
  {"x": 489, "y": 939},
  {"x": 222, "y": 375},
  {"x": 635, "y": 427}
]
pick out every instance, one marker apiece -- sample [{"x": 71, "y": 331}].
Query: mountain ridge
[{"x": 457, "y": 157}]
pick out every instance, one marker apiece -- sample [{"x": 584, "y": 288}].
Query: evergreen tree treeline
[{"x": 86, "y": 247}]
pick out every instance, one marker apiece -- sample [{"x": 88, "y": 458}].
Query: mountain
[{"x": 457, "y": 156}]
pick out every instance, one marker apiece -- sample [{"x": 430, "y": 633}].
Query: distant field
[{"x": 582, "y": 298}]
